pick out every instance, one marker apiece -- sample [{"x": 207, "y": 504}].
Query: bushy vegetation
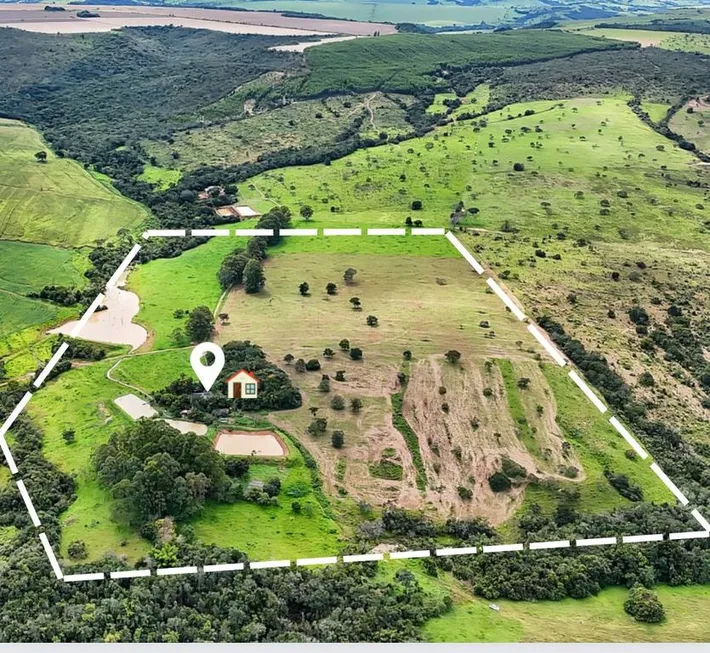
[
  {"x": 276, "y": 391},
  {"x": 154, "y": 471}
]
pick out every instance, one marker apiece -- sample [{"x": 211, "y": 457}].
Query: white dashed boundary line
[
  {"x": 85, "y": 318},
  {"x": 123, "y": 267},
  {"x": 28, "y": 503},
  {"x": 534, "y": 330},
  {"x": 42, "y": 377},
  {"x": 582, "y": 384}
]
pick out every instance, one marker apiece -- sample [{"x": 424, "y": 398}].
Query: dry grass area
[{"x": 427, "y": 306}]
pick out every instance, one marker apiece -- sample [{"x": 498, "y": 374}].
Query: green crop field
[{"x": 55, "y": 202}]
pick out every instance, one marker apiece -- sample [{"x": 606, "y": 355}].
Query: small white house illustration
[{"x": 242, "y": 385}]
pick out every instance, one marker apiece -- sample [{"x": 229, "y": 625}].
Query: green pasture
[{"x": 56, "y": 202}]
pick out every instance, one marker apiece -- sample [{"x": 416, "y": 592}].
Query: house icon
[{"x": 242, "y": 385}]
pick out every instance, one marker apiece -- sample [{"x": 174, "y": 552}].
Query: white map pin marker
[{"x": 207, "y": 373}]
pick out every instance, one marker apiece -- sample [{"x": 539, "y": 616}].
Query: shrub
[
  {"x": 518, "y": 167},
  {"x": 272, "y": 487},
  {"x": 337, "y": 403},
  {"x": 499, "y": 482},
  {"x": 513, "y": 469},
  {"x": 356, "y": 353},
  {"x": 465, "y": 493},
  {"x": 344, "y": 345},
  {"x": 643, "y": 605},
  {"x": 355, "y": 405},
  {"x": 77, "y": 550},
  {"x": 313, "y": 365}
]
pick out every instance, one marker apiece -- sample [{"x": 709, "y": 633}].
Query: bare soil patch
[{"x": 250, "y": 443}]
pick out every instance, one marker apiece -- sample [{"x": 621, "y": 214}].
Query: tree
[
  {"x": 407, "y": 355},
  {"x": 355, "y": 405},
  {"x": 300, "y": 365},
  {"x": 254, "y": 279},
  {"x": 223, "y": 318},
  {"x": 349, "y": 276},
  {"x": 355, "y": 301},
  {"x": 328, "y": 353},
  {"x": 69, "y": 436},
  {"x": 340, "y": 375},
  {"x": 296, "y": 508},
  {"x": 417, "y": 205},
  {"x": 3, "y": 372},
  {"x": 306, "y": 212},
  {"x": 371, "y": 321},
  {"x": 337, "y": 403},
  {"x": 518, "y": 167},
  {"x": 643, "y": 605},
  {"x": 324, "y": 385},
  {"x": 231, "y": 272},
  {"x": 272, "y": 487},
  {"x": 288, "y": 359},
  {"x": 499, "y": 482},
  {"x": 523, "y": 382},
  {"x": 344, "y": 345},
  {"x": 200, "y": 324},
  {"x": 318, "y": 426},
  {"x": 303, "y": 288},
  {"x": 453, "y": 356},
  {"x": 313, "y": 365},
  {"x": 356, "y": 353},
  {"x": 41, "y": 156},
  {"x": 338, "y": 439},
  {"x": 331, "y": 288}
]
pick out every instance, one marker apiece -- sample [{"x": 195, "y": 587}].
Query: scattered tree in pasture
[
  {"x": 349, "y": 276},
  {"x": 355, "y": 404},
  {"x": 328, "y": 353},
  {"x": 303, "y": 288},
  {"x": 356, "y": 353},
  {"x": 324, "y": 385},
  {"x": 331, "y": 288},
  {"x": 306, "y": 212},
  {"x": 69, "y": 436},
  {"x": 223, "y": 318},
  {"x": 296, "y": 508},
  {"x": 499, "y": 482},
  {"x": 200, "y": 324},
  {"x": 340, "y": 375},
  {"x": 344, "y": 344},
  {"x": 372, "y": 321},
  {"x": 407, "y": 355},
  {"x": 77, "y": 550},
  {"x": 288, "y": 359},
  {"x": 337, "y": 403},
  {"x": 41, "y": 156},
  {"x": 523, "y": 382},
  {"x": 300, "y": 365},
  {"x": 355, "y": 301},
  {"x": 313, "y": 365},
  {"x": 338, "y": 439},
  {"x": 318, "y": 426},
  {"x": 453, "y": 356}
]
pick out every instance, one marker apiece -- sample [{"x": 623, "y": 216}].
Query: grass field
[
  {"x": 297, "y": 125},
  {"x": 596, "y": 619},
  {"x": 57, "y": 202},
  {"x": 682, "y": 41},
  {"x": 693, "y": 123},
  {"x": 444, "y": 13},
  {"x": 586, "y": 150},
  {"x": 160, "y": 177}
]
